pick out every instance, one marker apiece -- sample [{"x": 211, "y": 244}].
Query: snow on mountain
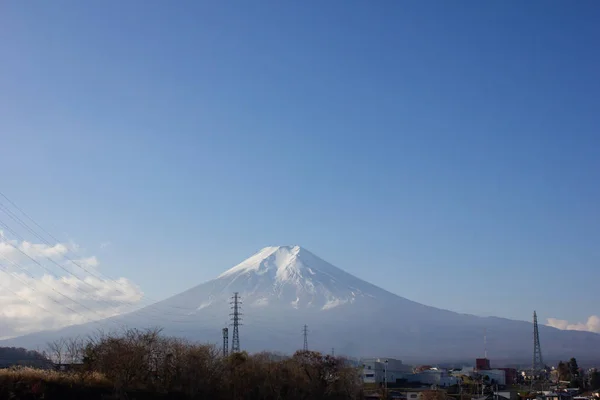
[
  {"x": 284, "y": 287},
  {"x": 291, "y": 275}
]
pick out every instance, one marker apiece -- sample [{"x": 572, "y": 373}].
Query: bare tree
[
  {"x": 143, "y": 359},
  {"x": 56, "y": 350},
  {"x": 74, "y": 350}
]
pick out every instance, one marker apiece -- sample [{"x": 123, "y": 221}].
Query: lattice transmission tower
[
  {"x": 538, "y": 361},
  {"x": 225, "y": 342},
  {"x": 236, "y": 306}
]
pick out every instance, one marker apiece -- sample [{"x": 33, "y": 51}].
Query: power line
[
  {"x": 18, "y": 220},
  {"x": 22, "y": 297},
  {"x": 141, "y": 312},
  {"x": 60, "y": 266},
  {"x": 3, "y": 270},
  {"x": 236, "y": 318},
  {"x": 148, "y": 317},
  {"x": 111, "y": 303},
  {"x": 56, "y": 291},
  {"x": 101, "y": 276},
  {"x": 44, "y": 267}
]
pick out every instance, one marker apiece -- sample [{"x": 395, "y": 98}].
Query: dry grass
[{"x": 51, "y": 376}]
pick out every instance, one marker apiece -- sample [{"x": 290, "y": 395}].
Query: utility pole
[
  {"x": 332, "y": 352},
  {"x": 225, "y": 342},
  {"x": 385, "y": 376},
  {"x": 485, "y": 343},
  {"x": 305, "y": 333},
  {"x": 236, "y": 318}
]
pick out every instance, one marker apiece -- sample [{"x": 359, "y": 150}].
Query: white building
[
  {"x": 496, "y": 376},
  {"x": 437, "y": 377},
  {"x": 378, "y": 370},
  {"x": 465, "y": 371}
]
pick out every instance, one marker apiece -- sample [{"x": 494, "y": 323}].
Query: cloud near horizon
[
  {"x": 591, "y": 325},
  {"x": 34, "y": 297}
]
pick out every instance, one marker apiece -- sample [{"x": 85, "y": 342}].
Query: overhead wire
[
  {"x": 3, "y": 270},
  {"x": 140, "y": 312},
  {"x": 145, "y": 311},
  {"x": 112, "y": 319},
  {"x": 55, "y": 291},
  {"x": 78, "y": 289},
  {"x": 99, "y": 275}
]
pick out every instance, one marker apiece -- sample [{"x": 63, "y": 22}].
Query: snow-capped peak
[
  {"x": 295, "y": 277},
  {"x": 283, "y": 260}
]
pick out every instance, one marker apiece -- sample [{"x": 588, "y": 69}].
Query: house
[{"x": 68, "y": 367}]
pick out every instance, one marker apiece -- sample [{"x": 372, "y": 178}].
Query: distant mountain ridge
[{"x": 284, "y": 287}]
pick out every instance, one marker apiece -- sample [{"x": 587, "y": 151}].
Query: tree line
[
  {"x": 134, "y": 360},
  {"x": 17, "y": 355}
]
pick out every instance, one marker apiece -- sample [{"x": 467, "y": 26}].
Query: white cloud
[
  {"x": 34, "y": 299},
  {"x": 88, "y": 262},
  {"x": 591, "y": 325},
  {"x": 104, "y": 245},
  {"x": 38, "y": 251},
  {"x": 19, "y": 251}
]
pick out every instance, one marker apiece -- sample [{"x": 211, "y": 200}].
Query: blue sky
[{"x": 445, "y": 151}]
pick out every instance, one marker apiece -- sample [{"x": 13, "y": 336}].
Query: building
[
  {"x": 69, "y": 367},
  {"x": 552, "y": 395},
  {"x": 482, "y": 364},
  {"x": 510, "y": 375},
  {"x": 422, "y": 368},
  {"x": 464, "y": 371},
  {"x": 380, "y": 370},
  {"x": 496, "y": 396},
  {"x": 438, "y": 377},
  {"x": 495, "y": 376}
]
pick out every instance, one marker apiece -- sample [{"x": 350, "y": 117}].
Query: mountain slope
[{"x": 283, "y": 288}]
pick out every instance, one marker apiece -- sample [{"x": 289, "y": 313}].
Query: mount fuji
[{"x": 283, "y": 288}]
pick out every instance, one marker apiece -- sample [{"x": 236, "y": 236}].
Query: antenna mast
[
  {"x": 305, "y": 333},
  {"x": 225, "y": 342},
  {"x": 485, "y": 343}
]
